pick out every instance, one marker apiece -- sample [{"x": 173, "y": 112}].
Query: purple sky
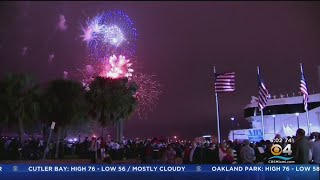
[{"x": 180, "y": 42}]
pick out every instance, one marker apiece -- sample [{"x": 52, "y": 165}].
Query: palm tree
[
  {"x": 4, "y": 109},
  {"x": 112, "y": 101},
  {"x": 19, "y": 101},
  {"x": 7, "y": 119},
  {"x": 64, "y": 104}
]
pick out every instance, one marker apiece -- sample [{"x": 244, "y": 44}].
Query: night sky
[{"x": 179, "y": 42}]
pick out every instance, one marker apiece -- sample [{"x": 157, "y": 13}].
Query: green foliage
[
  {"x": 19, "y": 101},
  {"x": 111, "y": 99},
  {"x": 64, "y": 102}
]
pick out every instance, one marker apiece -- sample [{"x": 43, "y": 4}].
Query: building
[{"x": 282, "y": 115}]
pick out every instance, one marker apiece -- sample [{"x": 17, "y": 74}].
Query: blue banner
[
  {"x": 255, "y": 135},
  {"x": 61, "y": 171}
]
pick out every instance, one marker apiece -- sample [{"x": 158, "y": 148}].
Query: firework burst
[
  {"x": 113, "y": 67},
  {"x": 110, "y": 33},
  {"x": 91, "y": 32},
  {"x": 147, "y": 94},
  {"x": 111, "y": 39},
  {"x": 148, "y": 88},
  {"x": 86, "y": 75},
  {"x": 117, "y": 67}
]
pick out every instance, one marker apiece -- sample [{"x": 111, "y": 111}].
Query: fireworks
[
  {"x": 62, "y": 23},
  {"x": 51, "y": 56},
  {"x": 89, "y": 69},
  {"x": 87, "y": 36},
  {"x": 113, "y": 67},
  {"x": 24, "y": 50},
  {"x": 111, "y": 33},
  {"x": 117, "y": 67},
  {"x": 148, "y": 88},
  {"x": 147, "y": 94},
  {"x": 111, "y": 39},
  {"x": 91, "y": 32},
  {"x": 87, "y": 75}
]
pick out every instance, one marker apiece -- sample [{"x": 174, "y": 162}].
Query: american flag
[
  {"x": 225, "y": 82},
  {"x": 263, "y": 94},
  {"x": 304, "y": 90}
]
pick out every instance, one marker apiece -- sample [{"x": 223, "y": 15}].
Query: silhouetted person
[
  {"x": 247, "y": 153},
  {"x": 186, "y": 154},
  {"x": 301, "y": 148},
  {"x": 86, "y": 146},
  {"x": 222, "y": 150},
  {"x": 228, "y": 159},
  {"x": 14, "y": 149},
  {"x": 170, "y": 154},
  {"x": 195, "y": 154},
  {"x": 103, "y": 146},
  {"x": 148, "y": 153},
  {"x": 93, "y": 150},
  {"x": 316, "y": 149},
  {"x": 212, "y": 155}
]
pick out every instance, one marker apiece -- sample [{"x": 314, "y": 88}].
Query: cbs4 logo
[{"x": 277, "y": 150}]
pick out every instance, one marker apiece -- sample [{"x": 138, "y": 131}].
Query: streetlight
[
  {"x": 297, "y": 114},
  {"x": 274, "y": 123},
  {"x": 232, "y": 119}
]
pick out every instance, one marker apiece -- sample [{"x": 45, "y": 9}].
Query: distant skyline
[{"x": 179, "y": 42}]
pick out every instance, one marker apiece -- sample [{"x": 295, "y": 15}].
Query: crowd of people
[{"x": 304, "y": 150}]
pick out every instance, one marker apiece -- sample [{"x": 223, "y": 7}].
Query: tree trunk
[
  {"x": 64, "y": 137},
  {"x": 57, "y": 143},
  {"x": 102, "y": 131},
  {"x": 65, "y": 131},
  {"x": 119, "y": 130},
  {"x": 117, "y": 125},
  {"x": 44, "y": 132},
  {"x": 21, "y": 130}
]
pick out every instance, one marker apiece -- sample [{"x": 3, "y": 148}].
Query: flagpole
[
  {"x": 217, "y": 108},
  {"x": 308, "y": 121},
  {"x": 262, "y": 120},
  {"x": 307, "y": 112},
  {"x": 261, "y": 110}
]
